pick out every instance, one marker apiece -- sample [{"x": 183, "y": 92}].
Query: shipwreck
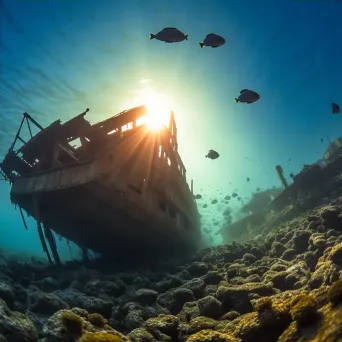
[
  {"x": 311, "y": 184},
  {"x": 121, "y": 190}
]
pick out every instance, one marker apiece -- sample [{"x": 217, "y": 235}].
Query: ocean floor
[{"x": 283, "y": 285}]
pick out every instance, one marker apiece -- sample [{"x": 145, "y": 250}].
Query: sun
[
  {"x": 158, "y": 108},
  {"x": 157, "y": 113}
]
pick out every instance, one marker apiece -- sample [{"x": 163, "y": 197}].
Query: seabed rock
[{"x": 284, "y": 285}]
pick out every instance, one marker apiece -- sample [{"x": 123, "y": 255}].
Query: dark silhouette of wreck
[
  {"x": 122, "y": 191},
  {"x": 256, "y": 213},
  {"x": 312, "y": 183}
]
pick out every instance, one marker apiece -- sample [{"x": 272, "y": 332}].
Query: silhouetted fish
[
  {"x": 335, "y": 108},
  {"x": 212, "y": 154},
  {"x": 169, "y": 35},
  {"x": 213, "y": 40},
  {"x": 247, "y": 96}
]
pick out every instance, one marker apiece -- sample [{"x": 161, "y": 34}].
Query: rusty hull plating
[{"x": 122, "y": 190}]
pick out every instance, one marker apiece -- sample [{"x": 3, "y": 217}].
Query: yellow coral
[
  {"x": 201, "y": 323},
  {"x": 97, "y": 320},
  {"x": 262, "y": 304},
  {"x": 304, "y": 309},
  {"x": 327, "y": 329},
  {"x": 72, "y": 322},
  {"x": 100, "y": 337},
  {"x": 335, "y": 293},
  {"x": 211, "y": 336}
]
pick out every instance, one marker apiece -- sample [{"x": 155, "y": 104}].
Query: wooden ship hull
[{"x": 122, "y": 191}]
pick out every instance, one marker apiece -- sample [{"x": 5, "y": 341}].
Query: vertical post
[
  {"x": 17, "y": 135},
  {"x": 28, "y": 125},
  {"x": 52, "y": 243},
  {"x": 40, "y": 230},
  {"x": 55, "y": 155},
  {"x": 23, "y": 218},
  {"x": 280, "y": 172}
]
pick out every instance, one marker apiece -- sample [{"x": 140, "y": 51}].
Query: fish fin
[
  {"x": 214, "y": 47},
  {"x": 186, "y": 36},
  {"x": 152, "y": 36},
  {"x": 236, "y": 100},
  {"x": 201, "y": 45},
  {"x": 242, "y": 90}
]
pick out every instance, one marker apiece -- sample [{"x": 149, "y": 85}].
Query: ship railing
[
  {"x": 14, "y": 163},
  {"x": 6, "y": 166}
]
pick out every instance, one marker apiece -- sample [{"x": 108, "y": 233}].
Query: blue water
[{"x": 59, "y": 57}]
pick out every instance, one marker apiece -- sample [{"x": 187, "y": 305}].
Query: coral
[
  {"x": 209, "y": 307},
  {"x": 100, "y": 337},
  {"x": 304, "y": 309},
  {"x": 140, "y": 335},
  {"x": 330, "y": 212},
  {"x": 146, "y": 296},
  {"x": 166, "y": 324},
  {"x": 327, "y": 329},
  {"x": 230, "y": 316},
  {"x": 72, "y": 322},
  {"x": 211, "y": 336},
  {"x": 237, "y": 297},
  {"x": 201, "y": 323},
  {"x": 262, "y": 304},
  {"x": 15, "y": 326},
  {"x": 335, "y": 293},
  {"x": 175, "y": 299},
  {"x": 97, "y": 320}
]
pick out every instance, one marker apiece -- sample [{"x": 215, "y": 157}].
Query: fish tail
[
  {"x": 201, "y": 45},
  {"x": 236, "y": 100},
  {"x": 186, "y": 36},
  {"x": 152, "y": 36}
]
